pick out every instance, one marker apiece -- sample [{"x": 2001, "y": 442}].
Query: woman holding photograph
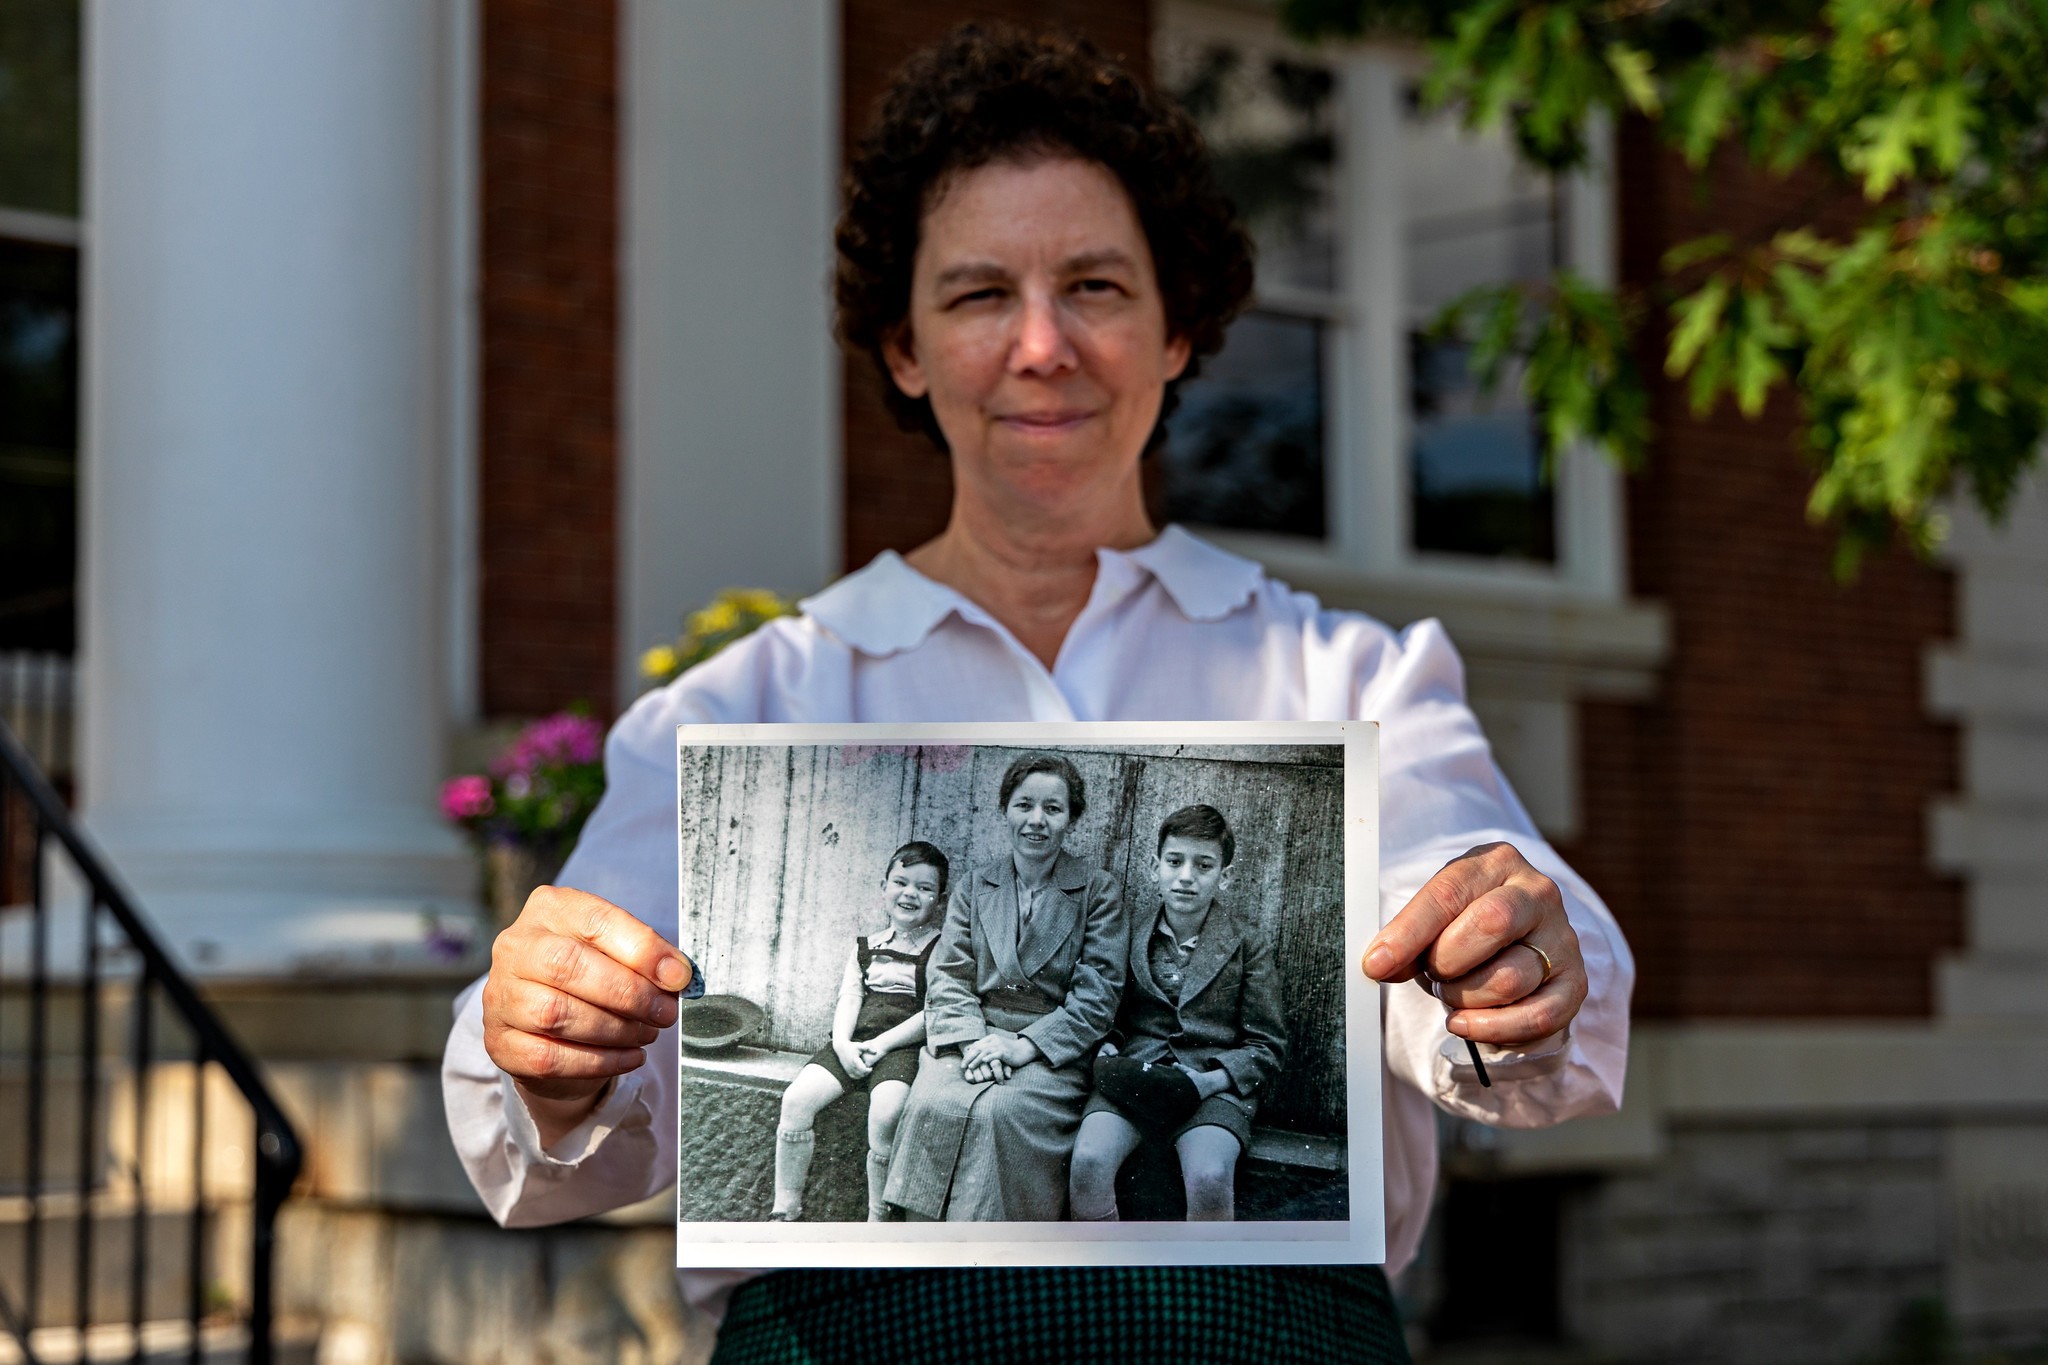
[
  {"x": 1034, "y": 253},
  {"x": 1026, "y": 981}
]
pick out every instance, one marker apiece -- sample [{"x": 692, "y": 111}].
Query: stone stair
[
  {"x": 165, "y": 1239},
  {"x": 167, "y": 1342}
]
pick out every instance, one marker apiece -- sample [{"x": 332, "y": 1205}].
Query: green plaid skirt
[{"x": 1263, "y": 1315}]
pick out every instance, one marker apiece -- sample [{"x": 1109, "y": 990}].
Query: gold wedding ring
[{"x": 1548, "y": 969}]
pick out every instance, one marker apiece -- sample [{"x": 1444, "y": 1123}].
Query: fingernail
[
  {"x": 664, "y": 1011},
  {"x": 1379, "y": 960},
  {"x": 1456, "y": 1024},
  {"x": 671, "y": 973}
]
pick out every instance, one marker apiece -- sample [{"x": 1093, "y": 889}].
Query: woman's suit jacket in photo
[
  {"x": 1058, "y": 987},
  {"x": 1227, "y": 1012}
]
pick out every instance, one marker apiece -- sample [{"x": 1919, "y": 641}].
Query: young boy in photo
[
  {"x": 876, "y": 1031},
  {"x": 1198, "y": 1036}
]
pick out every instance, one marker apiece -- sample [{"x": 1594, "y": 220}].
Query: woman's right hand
[
  {"x": 578, "y": 989},
  {"x": 996, "y": 1057}
]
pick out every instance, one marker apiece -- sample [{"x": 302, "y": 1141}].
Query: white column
[
  {"x": 266, "y": 332},
  {"x": 729, "y": 473}
]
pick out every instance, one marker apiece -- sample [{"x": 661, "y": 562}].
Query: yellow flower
[
  {"x": 758, "y": 602},
  {"x": 716, "y": 619},
  {"x": 658, "y": 662}
]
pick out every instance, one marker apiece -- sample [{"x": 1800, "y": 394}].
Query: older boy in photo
[{"x": 1198, "y": 1035}]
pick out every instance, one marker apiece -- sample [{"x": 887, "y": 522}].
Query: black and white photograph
[{"x": 1047, "y": 994}]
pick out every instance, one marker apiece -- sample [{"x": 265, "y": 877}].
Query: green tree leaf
[
  {"x": 1632, "y": 68},
  {"x": 1697, "y": 316},
  {"x": 1913, "y": 333}
]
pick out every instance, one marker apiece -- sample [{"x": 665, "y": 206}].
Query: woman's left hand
[
  {"x": 994, "y": 1056},
  {"x": 1492, "y": 930}
]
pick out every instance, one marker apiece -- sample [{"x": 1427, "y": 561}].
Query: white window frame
[
  {"x": 44, "y": 229},
  {"x": 1366, "y": 382}
]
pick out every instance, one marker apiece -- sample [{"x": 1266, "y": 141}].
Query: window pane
[
  {"x": 38, "y": 445},
  {"x": 1267, "y": 119},
  {"x": 1245, "y": 448},
  {"x": 1475, "y": 216},
  {"x": 1478, "y": 486},
  {"x": 39, "y": 78}
]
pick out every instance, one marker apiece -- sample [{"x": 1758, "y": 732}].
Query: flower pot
[{"x": 511, "y": 872}]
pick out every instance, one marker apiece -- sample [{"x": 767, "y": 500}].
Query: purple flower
[
  {"x": 563, "y": 738},
  {"x": 466, "y": 798},
  {"x": 443, "y": 944}
]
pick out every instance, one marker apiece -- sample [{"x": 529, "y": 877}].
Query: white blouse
[{"x": 1176, "y": 630}]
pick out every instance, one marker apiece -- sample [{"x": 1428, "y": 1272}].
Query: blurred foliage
[
  {"x": 732, "y": 615},
  {"x": 1275, "y": 178},
  {"x": 1915, "y": 338}
]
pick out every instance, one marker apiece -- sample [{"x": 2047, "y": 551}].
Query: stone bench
[{"x": 730, "y": 1102}]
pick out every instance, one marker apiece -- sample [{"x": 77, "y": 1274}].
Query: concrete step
[
  {"x": 290, "y": 1020},
  {"x": 63, "y": 1110},
  {"x": 165, "y": 1244},
  {"x": 163, "y": 1343},
  {"x": 166, "y": 1142},
  {"x": 64, "y": 1018}
]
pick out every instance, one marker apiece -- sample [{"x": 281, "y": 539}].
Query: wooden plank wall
[{"x": 786, "y": 846}]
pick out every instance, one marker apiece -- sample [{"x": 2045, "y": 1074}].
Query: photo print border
[{"x": 753, "y": 869}]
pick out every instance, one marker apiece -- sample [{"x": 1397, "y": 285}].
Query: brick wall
[
  {"x": 1760, "y": 828},
  {"x": 549, "y": 150},
  {"x": 897, "y": 488}
]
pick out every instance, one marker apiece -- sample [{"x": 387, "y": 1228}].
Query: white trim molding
[
  {"x": 1993, "y": 683},
  {"x": 461, "y": 193},
  {"x": 730, "y": 464}
]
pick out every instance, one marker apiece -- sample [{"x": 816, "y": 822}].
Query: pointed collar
[
  {"x": 889, "y": 607},
  {"x": 1205, "y": 582},
  {"x": 885, "y": 608},
  {"x": 1069, "y": 873}
]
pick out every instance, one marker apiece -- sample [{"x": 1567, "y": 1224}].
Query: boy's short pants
[
  {"x": 1229, "y": 1111},
  {"x": 879, "y": 1012}
]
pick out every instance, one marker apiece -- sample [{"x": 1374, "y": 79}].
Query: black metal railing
[{"x": 75, "y": 956}]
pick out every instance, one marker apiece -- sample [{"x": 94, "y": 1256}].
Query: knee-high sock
[
  {"x": 794, "y": 1148},
  {"x": 878, "y": 1176}
]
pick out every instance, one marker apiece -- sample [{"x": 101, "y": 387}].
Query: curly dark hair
[{"x": 984, "y": 94}]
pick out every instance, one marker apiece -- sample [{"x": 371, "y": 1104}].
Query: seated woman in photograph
[
  {"x": 1024, "y": 985},
  {"x": 875, "y": 1030},
  {"x": 1199, "y": 1034}
]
